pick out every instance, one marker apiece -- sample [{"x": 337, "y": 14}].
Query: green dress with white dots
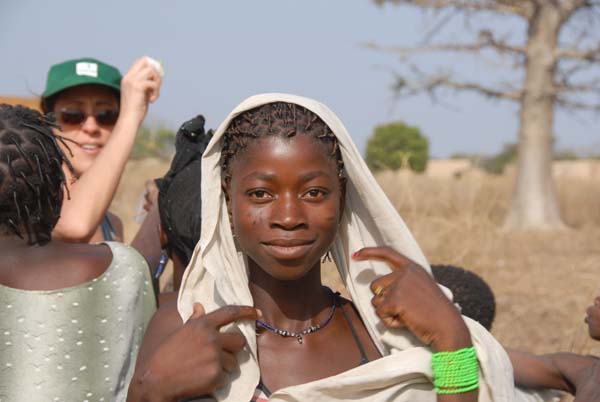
[{"x": 78, "y": 343}]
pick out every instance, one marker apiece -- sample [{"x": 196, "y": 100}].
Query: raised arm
[{"x": 92, "y": 193}]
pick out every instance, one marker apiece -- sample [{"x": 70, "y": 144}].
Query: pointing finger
[
  {"x": 385, "y": 254},
  {"x": 228, "y": 314}
]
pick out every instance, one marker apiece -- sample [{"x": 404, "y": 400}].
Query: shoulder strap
[
  {"x": 108, "y": 231},
  {"x": 363, "y": 356}
]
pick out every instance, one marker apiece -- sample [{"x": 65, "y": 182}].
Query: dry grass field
[{"x": 543, "y": 281}]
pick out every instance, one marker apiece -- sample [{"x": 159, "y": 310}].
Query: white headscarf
[{"x": 217, "y": 276}]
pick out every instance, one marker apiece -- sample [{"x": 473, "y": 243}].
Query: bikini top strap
[{"x": 363, "y": 356}]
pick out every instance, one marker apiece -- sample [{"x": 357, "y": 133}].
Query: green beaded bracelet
[{"x": 455, "y": 372}]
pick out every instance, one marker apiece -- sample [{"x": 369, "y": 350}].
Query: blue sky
[{"x": 218, "y": 53}]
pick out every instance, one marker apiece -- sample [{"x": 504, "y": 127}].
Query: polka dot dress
[{"x": 78, "y": 343}]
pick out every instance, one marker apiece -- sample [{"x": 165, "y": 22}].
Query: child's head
[
  {"x": 283, "y": 178},
  {"x": 593, "y": 319},
  {"x": 31, "y": 175},
  {"x": 470, "y": 291}
]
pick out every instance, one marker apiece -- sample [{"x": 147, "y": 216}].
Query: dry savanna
[{"x": 543, "y": 281}]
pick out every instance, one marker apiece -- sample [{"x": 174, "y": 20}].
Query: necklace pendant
[{"x": 299, "y": 338}]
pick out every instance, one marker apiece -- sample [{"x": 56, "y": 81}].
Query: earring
[{"x": 327, "y": 257}]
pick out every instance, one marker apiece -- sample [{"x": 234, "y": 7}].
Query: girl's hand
[
  {"x": 409, "y": 297},
  {"x": 197, "y": 358},
  {"x": 139, "y": 87}
]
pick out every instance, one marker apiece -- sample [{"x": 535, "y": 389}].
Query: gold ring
[{"x": 379, "y": 291}]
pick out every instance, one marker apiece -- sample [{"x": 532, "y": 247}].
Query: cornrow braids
[
  {"x": 276, "y": 119},
  {"x": 31, "y": 175}
]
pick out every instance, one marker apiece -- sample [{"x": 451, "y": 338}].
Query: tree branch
[
  {"x": 566, "y": 86},
  {"x": 431, "y": 84},
  {"x": 576, "y": 105},
  {"x": 570, "y": 6},
  {"x": 523, "y": 8},
  {"x": 485, "y": 40},
  {"x": 589, "y": 55}
]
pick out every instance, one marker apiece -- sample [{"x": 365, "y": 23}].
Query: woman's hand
[
  {"x": 196, "y": 359},
  {"x": 409, "y": 297},
  {"x": 139, "y": 87}
]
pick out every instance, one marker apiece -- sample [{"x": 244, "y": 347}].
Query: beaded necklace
[{"x": 299, "y": 335}]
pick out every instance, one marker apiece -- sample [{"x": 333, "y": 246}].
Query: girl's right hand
[
  {"x": 139, "y": 87},
  {"x": 197, "y": 358}
]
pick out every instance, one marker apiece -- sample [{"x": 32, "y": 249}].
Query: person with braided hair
[
  {"x": 283, "y": 186},
  {"x": 99, "y": 113},
  {"x": 71, "y": 315}
]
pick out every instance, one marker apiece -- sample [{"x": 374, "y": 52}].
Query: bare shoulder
[
  {"x": 165, "y": 321},
  {"x": 55, "y": 266}
]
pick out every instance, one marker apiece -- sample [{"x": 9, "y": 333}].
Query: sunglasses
[{"x": 106, "y": 117}]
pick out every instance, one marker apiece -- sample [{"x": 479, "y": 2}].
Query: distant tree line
[
  {"x": 154, "y": 143},
  {"x": 495, "y": 164}
]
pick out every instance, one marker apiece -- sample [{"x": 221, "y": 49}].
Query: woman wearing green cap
[{"x": 99, "y": 113}]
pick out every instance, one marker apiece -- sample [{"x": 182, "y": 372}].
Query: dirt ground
[{"x": 543, "y": 281}]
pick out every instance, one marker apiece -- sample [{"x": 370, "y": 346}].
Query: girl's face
[
  {"x": 87, "y": 115},
  {"x": 285, "y": 203}
]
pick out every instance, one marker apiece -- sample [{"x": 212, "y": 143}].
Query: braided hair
[
  {"x": 276, "y": 119},
  {"x": 31, "y": 175}
]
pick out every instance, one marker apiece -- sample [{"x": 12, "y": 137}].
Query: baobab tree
[{"x": 555, "y": 68}]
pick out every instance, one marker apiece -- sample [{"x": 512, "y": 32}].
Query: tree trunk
[{"x": 535, "y": 204}]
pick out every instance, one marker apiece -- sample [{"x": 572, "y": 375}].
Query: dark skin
[
  {"x": 285, "y": 204},
  {"x": 285, "y": 210},
  {"x": 570, "y": 372},
  {"x": 147, "y": 241},
  {"x": 151, "y": 241},
  {"x": 56, "y": 265}
]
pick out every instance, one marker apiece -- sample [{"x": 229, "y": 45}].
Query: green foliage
[
  {"x": 566, "y": 155},
  {"x": 154, "y": 143},
  {"x": 497, "y": 163},
  {"x": 395, "y": 145}
]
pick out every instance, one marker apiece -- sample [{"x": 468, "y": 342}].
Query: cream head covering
[{"x": 217, "y": 276}]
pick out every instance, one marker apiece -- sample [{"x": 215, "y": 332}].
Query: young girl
[
  {"x": 283, "y": 186},
  {"x": 71, "y": 315}
]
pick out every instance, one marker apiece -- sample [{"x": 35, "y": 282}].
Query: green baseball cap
[{"x": 76, "y": 72}]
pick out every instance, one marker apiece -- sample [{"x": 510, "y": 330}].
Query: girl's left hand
[{"x": 409, "y": 297}]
